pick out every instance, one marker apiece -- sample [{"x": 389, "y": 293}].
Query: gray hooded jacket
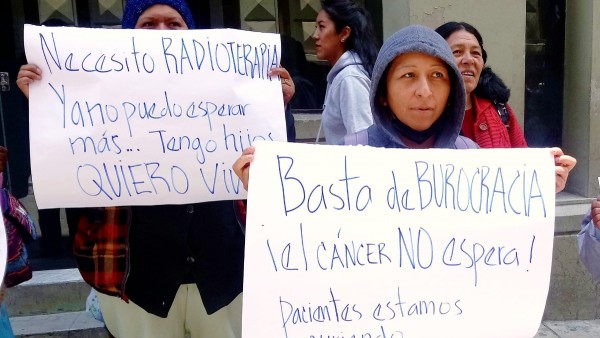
[{"x": 424, "y": 40}]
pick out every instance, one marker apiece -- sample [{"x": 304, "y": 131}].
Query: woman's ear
[
  {"x": 383, "y": 100},
  {"x": 345, "y": 34}
]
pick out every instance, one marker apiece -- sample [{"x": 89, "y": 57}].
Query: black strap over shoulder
[{"x": 502, "y": 112}]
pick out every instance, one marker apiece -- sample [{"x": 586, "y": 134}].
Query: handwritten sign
[
  {"x": 346, "y": 241},
  {"x": 134, "y": 117}
]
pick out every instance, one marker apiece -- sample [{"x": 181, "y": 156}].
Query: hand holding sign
[
  {"x": 28, "y": 74},
  {"x": 563, "y": 165}
]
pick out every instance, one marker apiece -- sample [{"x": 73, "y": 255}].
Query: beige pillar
[{"x": 581, "y": 125}]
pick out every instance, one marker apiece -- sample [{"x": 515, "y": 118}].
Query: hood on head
[
  {"x": 416, "y": 38},
  {"x": 135, "y": 8}
]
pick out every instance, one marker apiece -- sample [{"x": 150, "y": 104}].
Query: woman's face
[
  {"x": 160, "y": 17},
  {"x": 469, "y": 57},
  {"x": 328, "y": 43},
  {"x": 418, "y": 86}
]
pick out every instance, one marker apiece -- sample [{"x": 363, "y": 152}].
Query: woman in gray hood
[
  {"x": 417, "y": 94},
  {"x": 417, "y": 97},
  {"x": 418, "y": 100}
]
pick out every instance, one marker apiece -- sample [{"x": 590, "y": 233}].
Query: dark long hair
[
  {"x": 362, "y": 39},
  {"x": 451, "y": 27},
  {"x": 490, "y": 85}
]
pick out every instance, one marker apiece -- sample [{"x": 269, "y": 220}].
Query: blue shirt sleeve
[{"x": 589, "y": 246}]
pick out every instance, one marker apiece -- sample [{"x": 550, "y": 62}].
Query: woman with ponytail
[{"x": 344, "y": 37}]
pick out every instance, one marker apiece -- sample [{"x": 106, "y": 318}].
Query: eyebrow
[
  {"x": 441, "y": 64},
  {"x": 462, "y": 44},
  {"x": 168, "y": 17}
]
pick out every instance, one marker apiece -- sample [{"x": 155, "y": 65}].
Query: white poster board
[
  {"x": 138, "y": 117},
  {"x": 346, "y": 241}
]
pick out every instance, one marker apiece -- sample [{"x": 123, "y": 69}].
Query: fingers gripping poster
[
  {"x": 134, "y": 117},
  {"x": 354, "y": 241}
]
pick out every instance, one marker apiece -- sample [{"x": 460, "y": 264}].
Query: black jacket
[{"x": 175, "y": 244}]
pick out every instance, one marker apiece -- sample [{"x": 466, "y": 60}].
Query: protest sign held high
[
  {"x": 135, "y": 117},
  {"x": 396, "y": 242}
]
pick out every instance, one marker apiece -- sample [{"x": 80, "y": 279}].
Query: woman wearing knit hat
[
  {"x": 134, "y": 16},
  {"x": 182, "y": 265},
  {"x": 167, "y": 270}
]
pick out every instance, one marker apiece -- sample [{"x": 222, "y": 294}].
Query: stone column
[{"x": 581, "y": 125}]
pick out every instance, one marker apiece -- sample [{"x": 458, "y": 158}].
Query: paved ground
[{"x": 570, "y": 329}]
